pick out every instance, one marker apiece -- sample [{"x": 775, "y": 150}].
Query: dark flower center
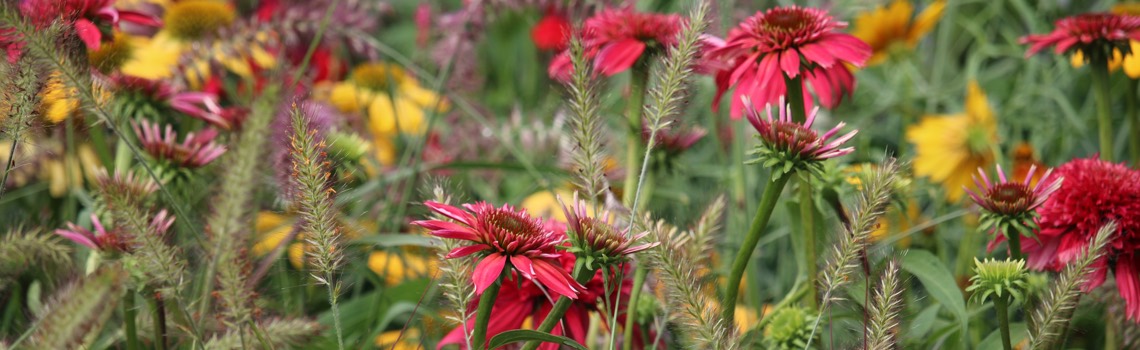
[
  {"x": 1010, "y": 197},
  {"x": 787, "y": 133},
  {"x": 785, "y": 20}
]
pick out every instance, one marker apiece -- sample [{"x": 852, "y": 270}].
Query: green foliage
[
  {"x": 790, "y": 328},
  {"x": 521, "y": 335}
]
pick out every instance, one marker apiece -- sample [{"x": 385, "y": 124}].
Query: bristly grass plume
[
  {"x": 586, "y": 121},
  {"x": 1052, "y": 316},
  {"x": 883, "y": 321},
  {"x": 79, "y": 313}
]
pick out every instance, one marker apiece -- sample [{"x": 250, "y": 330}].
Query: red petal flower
[
  {"x": 1090, "y": 32},
  {"x": 616, "y": 38},
  {"x": 788, "y": 41},
  {"x": 551, "y": 33}
]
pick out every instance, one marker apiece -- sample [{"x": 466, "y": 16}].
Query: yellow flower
[
  {"x": 57, "y": 100},
  {"x": 395, "y": 268},
  {"x": 393, "y": 101},
  {"x": 950, "y": 148},
  {"x": 186, "y": 22},
  {"x": 409, "y": 340},
  {"x": 272, "y": 228},
  {"x": 885, "y": 27},
  {"x": 544, "y": 204}
]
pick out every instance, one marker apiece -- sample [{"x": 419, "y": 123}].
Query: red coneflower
[
  {"x": 197, "y": 104},
  {"x": 787, "y": 42},
  {"x": 616, "y": 38},
  {"x": 596, "y": 238},
  {"x": 196, "y": 149},
  {"x": 788, "y": 144},
  {"x": 82, "y": 14},
  {"x": 1093, "y": 34},
  {"x": 552, "y": 32},
  {"x": 111, "y": 241},
  {"x": 1095, "y": 192},
  {"x": 504, "y": 235}
]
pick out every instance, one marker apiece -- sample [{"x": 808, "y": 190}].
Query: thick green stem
[
  {"x": 1103, "y": 108},
  {"x": 631, "y": 310},
  {"x": 483, "y": 313},
  {"x": 1014, "y": 244},
  {"x": 795, "y": 96},
  {"x": 333, "y": 296},
  {"x": 129, "y": 320},
  {"x": 1002, "y": 306},
  {"x": 807, "y": 214},
  {"x": 1134, "y": 120},
  {"x": 638, "y": 85},
  {"x": 582, "y": 275},
  {"x": 759, "y": 221},
  {"x": 1111, "y": 332}
]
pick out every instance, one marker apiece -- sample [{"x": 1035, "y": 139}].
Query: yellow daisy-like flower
[
  {"x": 186, "y": 22},
  {"x": 1130, "y": 63},
  {"x": 57, "y": 100},
  {"x": 884, "y": 28},
  {"x": 409, "y": 340},
  {"x": 950, "y": 148},
  {"x": 393, "y": 101},
  {"x": 395, "y": 268},
  {"x": 544, "y": 204}
]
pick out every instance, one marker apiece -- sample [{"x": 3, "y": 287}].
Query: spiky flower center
[
  {"x": 601, "y": 236},
  {"x": 786, "y": 20},
  {"x": 513, "y": 232},
  {"x": 377, "y": 77},
  {"x": 1010, "y": 198},
  {"x": 195, "y": 19}
]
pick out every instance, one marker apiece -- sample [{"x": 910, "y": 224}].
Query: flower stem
[
  {"x": 638, "y": 85},
  {"x": 1134, "y": 117},
  {"x": 1014, "y": 245},
  {"x": 483, "y": 313},
  {"x": 1103, "y": 108},
  {"x": 639, "y": 274},
  {"x": 129, "y": 320},
  {"x": 582, "y": 275},
  {"x": 159, "y": 322},
  {"x": 807, "y": 214},
  {"x": 763, "y": 213},
  {"x": 1002, "y": 306},
  {"x": 795, "y": 96},
  {"x": 333, "y": 296}
]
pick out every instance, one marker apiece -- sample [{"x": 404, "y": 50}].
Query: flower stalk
[
  {"x": 483, "y": 313},
  {"x": 1134, "y": 118},
  {"x": 582, "y": 274},
  {"x": 1001, "y": 304},
  {"x": 129, "y": 315},
  {"x": 807, "y": 212},
  {"x": 1103, "y": 107},
  {"x": 755, "y": 231},
  {"x": 638, "y": 87}
]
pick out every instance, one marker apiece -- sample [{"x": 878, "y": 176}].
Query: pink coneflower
[
  {"x": 111, "y": 241},
  {"x": 196, "y": 150},
  {"x": 518, "y": 301},
  {"x": 793, "y": 144},
  {"x": 788, "y": 42},
  {"x": 197, "y": 104},
  {"x": 81, "y": 16},
  {"x": 552, "y": 32},
  {"x": 1094, "y": 34},
  {"x": 1012, "y": 198},
  {"x": 616, "y": 38},
  {"x": 504, "y": 235},
  {"x": 597, "y": 238},
  {"x": 1095, "y": 192},
  {"x": 674, "y": 141}
]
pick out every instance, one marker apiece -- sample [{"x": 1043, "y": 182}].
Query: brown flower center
[
  {"x": 785, "y": 20},
  {"x": 1010, "y": 197}
]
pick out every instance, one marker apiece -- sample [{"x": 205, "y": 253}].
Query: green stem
[
  {"x": 807, "y": 214},
  {"x": 483, "y": 313},
  {"x": 1014, "y": 244},
  {"x": 795, "y": 96},
  {"x": 1002, "y": 306},
  {"x": 129, "y": 320},
  {"x": 582, "y": 275},
  {"x": 1103, "y": 108},
  {"x": 631, "y": 310},
  {"x": 638, "y": 84},
  {"x": 333, "y": 293},
  {"x": 159, "y": 322},
  {"x": 1134, "y": 118},
  {"x": 1111, "y": 332},
  {"x": 763, "y": 213}
]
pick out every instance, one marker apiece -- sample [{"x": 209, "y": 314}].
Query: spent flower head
[
  {"x": 597, "y": 239},
  {"x": 787, "y": 145},
  {"x": 1000, "y": 278},
  {"x": 505, "y": 237}
]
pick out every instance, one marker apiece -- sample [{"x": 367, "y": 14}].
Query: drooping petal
[
  {"x": 451, "y": 212},
  {"x": 463, "y": 251},
  {"x": 556, "y": 279},
  {"x": 89, "y": 33},
  {"x": 487, "y": 271},
  {"x": 618, "y": 56}
]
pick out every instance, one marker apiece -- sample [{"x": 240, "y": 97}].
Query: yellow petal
[
  {"x": 408, "y": 340},
  {"x": 154, "y": 58},
  {"x": 396, "y": 268},
  {"x": 349, "y": 98},
  {"x": 297, "y": 254},
  {"x": 1131, "y": 63},
  {"x": 977, "y": 106},
  {"x": 387, "y": 118},
  {"x": 926, "y": 21},
  {"x": 423, "y": 97}
]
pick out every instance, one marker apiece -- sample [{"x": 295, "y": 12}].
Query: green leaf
[
  {"x": 520, "y": 335},
  {"x": 397, "y": 240},
  {"x": 924, "y": 322},
  {"x": 939, "y": 283}
]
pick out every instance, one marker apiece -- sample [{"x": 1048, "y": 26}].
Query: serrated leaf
[{"x": 521, "y": 335}]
